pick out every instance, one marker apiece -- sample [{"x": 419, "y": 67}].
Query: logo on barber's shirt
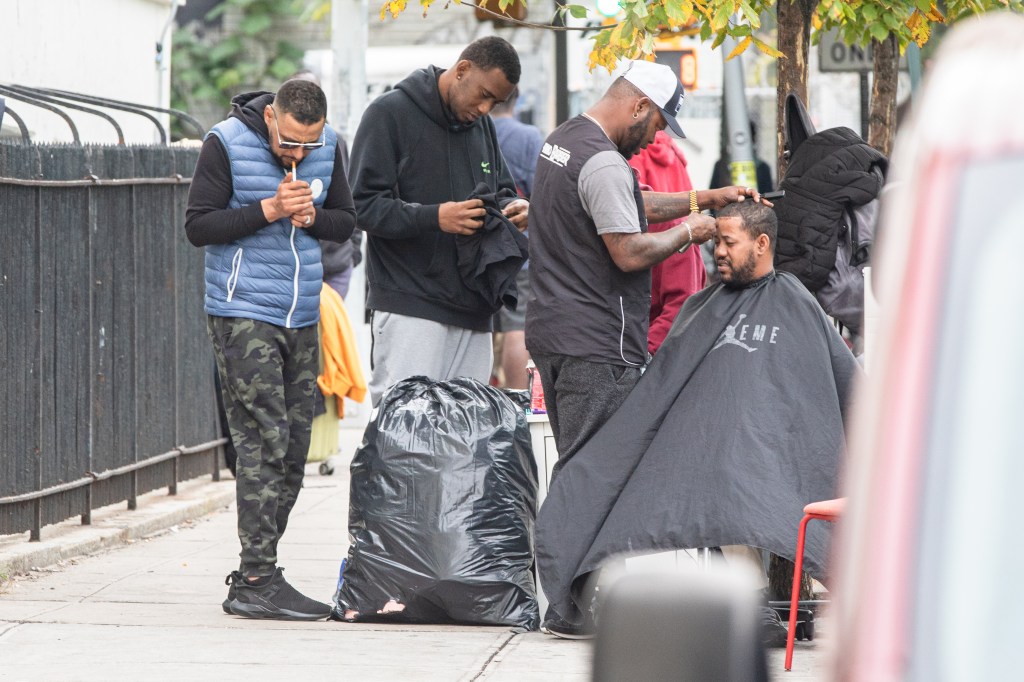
[
  {"x": 743, "y": 335},
  {"x": 555, "y": 154}
]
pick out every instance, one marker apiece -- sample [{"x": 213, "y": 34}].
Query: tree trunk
[
  {"x": 882, "y": 121},
  {"x": 794, "y": 20},
  {"x": 780, "y": 579}
]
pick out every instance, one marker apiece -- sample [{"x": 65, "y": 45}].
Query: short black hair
[
  {"x": 494, "y": 52},
  {"x": 757, "y": 219},
  {"x": 304, "y": 100}
]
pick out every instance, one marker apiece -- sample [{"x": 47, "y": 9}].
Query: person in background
[
  {"x": 520, "y": 144},
  {"x": 421, "y": 150},
  {"x": 269, "y": 183},
  {"x": 721, "y": 176},
  {"x": 661, "y": 167},
  {"x": 339, "y": 260}
]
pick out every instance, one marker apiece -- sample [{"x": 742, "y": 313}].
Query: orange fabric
[
  {"x": 832, "y": 508},
  {"x": 342, "y": 374}
]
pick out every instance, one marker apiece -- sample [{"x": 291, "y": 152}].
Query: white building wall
[{"x": 104, "y": 48}]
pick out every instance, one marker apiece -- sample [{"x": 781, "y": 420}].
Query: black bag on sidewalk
[{"x": 442, "y": 508}]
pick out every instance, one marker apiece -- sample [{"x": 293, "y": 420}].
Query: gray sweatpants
[{"x": 406, "y": 346}]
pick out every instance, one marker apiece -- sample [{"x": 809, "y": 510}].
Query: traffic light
[{"x": 688, "y": 68}]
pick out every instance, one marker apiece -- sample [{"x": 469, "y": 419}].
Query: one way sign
[{"x": 836, "y": 56}]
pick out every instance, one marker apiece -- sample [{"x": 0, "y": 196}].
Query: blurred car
[{"x": 929, "y": 548}]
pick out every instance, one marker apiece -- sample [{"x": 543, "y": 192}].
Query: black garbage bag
[{"x": 441, "y": 510}]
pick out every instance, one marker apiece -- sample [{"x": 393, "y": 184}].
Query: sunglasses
[{"x": 295, "y": 145}]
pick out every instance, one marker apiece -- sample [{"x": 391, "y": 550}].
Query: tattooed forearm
[
  {"x": 661, "y": 207},
  {"x": 643, "y": 250}
]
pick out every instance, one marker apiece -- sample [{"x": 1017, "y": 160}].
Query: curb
[{"x": 115, "y": 526}]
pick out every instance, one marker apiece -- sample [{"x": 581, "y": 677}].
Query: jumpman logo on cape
[{"x": 729, "y": 336}]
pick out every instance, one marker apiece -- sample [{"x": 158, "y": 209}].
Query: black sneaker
[
  {"x": 276, "y": 600},
  {"x": 559, "y": 627},
  {"x": 773, "y": 632},
  {"x": 234, "y": 577}
]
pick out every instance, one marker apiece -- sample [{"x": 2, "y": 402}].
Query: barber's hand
[
  {"x": 461, "y": 217},
  {"x": 518, "y": 212},
  {"x": 734, "y": 194},
  {"x": 291, "y": 199},
  {"x": 702, "y": 226}
]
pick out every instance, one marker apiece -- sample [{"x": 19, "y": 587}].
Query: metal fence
[{"x": 107, "y": 372}]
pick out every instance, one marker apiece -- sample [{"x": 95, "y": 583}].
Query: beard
[
  {"x": 635, "y": 136},
  {"x": 457, "y": 113},
  {"x": 741, "y": 276},
  {"x": 285, "y": 163}
]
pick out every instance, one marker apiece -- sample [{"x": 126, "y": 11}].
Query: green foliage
[
  {"x": 858, "y": 21},
  {"x": 642, "y": 21},
  {"x": 207, "y": 70},
  {"x": 861, "y": 21}
]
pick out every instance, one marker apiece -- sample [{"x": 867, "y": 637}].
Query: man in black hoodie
[{"x": 420, "y": 151}]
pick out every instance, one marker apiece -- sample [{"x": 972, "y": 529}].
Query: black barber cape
[
  {"x": 490, "y": 258},
  {"x": 734, "y": 427}
]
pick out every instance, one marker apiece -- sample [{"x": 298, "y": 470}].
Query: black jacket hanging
[{"x": 830, "y": 172}]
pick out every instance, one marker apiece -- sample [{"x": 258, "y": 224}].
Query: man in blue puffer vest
[{"x": 268, "y": 185}]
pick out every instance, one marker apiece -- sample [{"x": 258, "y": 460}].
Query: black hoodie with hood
[
  {"x": 409, "y": 156},
  {"x": 208, "y": 220}
]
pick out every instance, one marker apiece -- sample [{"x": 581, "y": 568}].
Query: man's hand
[
  {"x": 461, "y": 217},
  {"x": 734, "y": 194},
  {"x": 518, "y": 212},
  {"x": 292, "y": 199},
  {"x": 304, "y": 219},
  {"x": 702, "y": 226}
]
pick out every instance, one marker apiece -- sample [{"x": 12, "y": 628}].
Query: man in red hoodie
[{"x": 662, "y": 168}]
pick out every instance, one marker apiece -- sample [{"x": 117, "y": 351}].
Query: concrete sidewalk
[{"x": 129, "y": 600}]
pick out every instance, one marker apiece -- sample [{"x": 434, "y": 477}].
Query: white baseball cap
[{"x": 661, "y": 85}]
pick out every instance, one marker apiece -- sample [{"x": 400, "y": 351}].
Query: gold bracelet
[{"x": 694, "y": 208}]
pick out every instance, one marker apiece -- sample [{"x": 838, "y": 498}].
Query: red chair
[{"x": 826, "y": 510}]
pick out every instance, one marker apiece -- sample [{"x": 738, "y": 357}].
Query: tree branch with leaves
[
  {"x": 208, "y": 68},
  {"x": 642, "y": 21}
]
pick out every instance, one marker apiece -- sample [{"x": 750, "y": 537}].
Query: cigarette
[{"x": 294, "y": 175}]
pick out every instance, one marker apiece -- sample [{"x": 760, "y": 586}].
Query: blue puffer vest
[{"x": 274, "y": 275}]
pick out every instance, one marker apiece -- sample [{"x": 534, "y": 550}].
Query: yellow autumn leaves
[{"x": 642, "y": 21}]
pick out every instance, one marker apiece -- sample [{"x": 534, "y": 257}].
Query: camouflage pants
[{"x": 268, "y": 375}]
